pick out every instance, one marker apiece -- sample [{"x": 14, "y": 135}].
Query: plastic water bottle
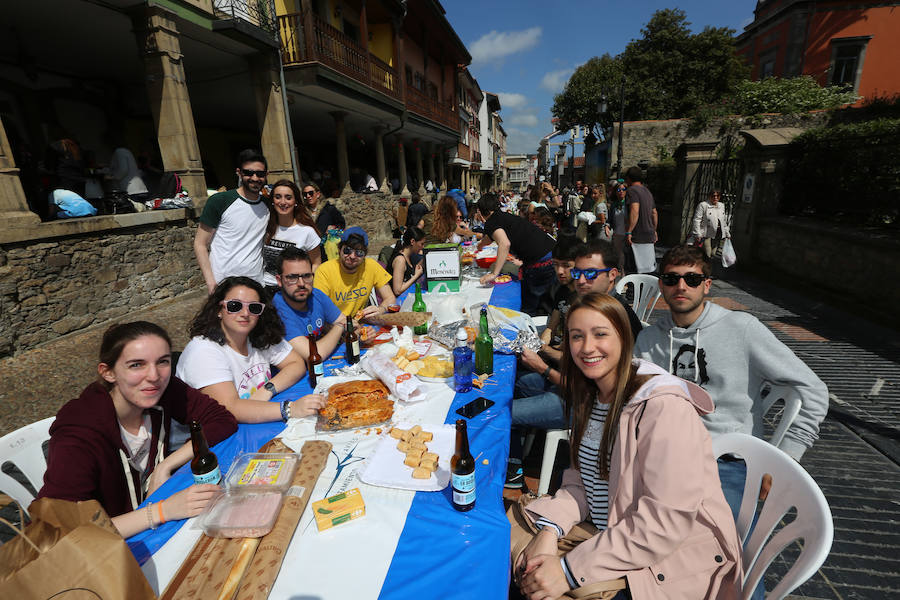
[{"x": 463, "y": 364}]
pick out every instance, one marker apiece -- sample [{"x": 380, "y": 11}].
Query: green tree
[{"x": 670, "y": 72}]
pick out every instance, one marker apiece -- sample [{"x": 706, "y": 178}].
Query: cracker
[
  {"x": 428, "y": 464},
  {"x": 403, "y": 446},
  {"x": 397, "y": 433},
  {"x": 415, "y": 429},
  {"x": 421, "y": 473},
  {"x": 430, "y": 456},
  {"x": 411, "y": 461},
  {"x": 415, "y": 452}
]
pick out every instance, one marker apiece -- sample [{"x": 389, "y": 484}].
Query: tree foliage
[{"x": 670, "y": 72}]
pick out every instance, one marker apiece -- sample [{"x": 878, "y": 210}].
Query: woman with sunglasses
[
  {"x": 112, "y": 443},
  {"x": 643, "y": 500},
  {"x": 406, "y": 264},
  {"x": 236, "y": 338},
  {"x": 710, "y": 226},
  {"x": 324, "y": 213},
  {"x": 290, "y": 224}
]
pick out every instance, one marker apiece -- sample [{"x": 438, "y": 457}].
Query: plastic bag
[
  {"x": 728, "y": 255},
  {"x": 401, "y": 384}
]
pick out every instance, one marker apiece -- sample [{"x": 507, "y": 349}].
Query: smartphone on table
[{"x": 475, "y": 407}]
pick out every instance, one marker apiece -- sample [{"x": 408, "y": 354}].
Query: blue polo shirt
[{"x": 319, "y": 311}]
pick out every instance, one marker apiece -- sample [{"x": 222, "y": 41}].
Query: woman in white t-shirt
[
  {"x": 290, "y": 224},
  {"x": 235, "y": 339}
]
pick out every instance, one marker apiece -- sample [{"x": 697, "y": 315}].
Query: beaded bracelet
[
  {"x": 149, "y": 513},
  {"x": 162, "y": 519}
]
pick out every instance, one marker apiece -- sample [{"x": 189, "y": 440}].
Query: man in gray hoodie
[{"x": 730, "y": 354}]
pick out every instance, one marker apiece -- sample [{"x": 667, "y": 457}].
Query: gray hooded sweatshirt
[{"x": 731, "y": 354}]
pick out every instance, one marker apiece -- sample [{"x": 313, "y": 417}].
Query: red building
[{"x": 838, "y": 42}]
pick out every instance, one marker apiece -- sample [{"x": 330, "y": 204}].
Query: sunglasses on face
[
  {"x": 347, "y": 251},
  {"x": 621, "y": 189},
  {"x": 309, "y": 194},
  {"x": 589, "y": 274},
  {"x": 236, "y": 306},
  {"x": 295, "y": 277},
  {"x": 692, "y": 279},
  {"x": 250, "y": 173}
]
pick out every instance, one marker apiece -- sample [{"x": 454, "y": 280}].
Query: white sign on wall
[{"x": 749, "y": 184}]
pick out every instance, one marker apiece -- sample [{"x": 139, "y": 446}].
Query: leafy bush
[
  {"x": 849, "y": 172},
  {"x": 787, "y": 96}
]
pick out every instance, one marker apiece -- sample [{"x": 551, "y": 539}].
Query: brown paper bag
[{"x": 70, "y": 551}]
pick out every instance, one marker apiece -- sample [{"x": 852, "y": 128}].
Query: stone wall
[
  {"x": 653, "y": 142},
  {"x": 375, "y": 213},
  {"x": 55, "y": 286},
  {"x": 859, "y": 266}
]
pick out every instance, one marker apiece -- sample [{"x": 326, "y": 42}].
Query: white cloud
[
  {"x": 523, "y": 120},
  {"x": 555, "y": 81},
  {"x": 496, "y": 45},
  {"x": 521, "y": 142},
  {"x": 511, "y": 101}
]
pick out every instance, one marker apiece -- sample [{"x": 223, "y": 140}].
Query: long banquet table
[{"x": 409, "y": 544}]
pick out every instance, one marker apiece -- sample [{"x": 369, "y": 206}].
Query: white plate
[
  {"x": 385, "y": 466},
  {"x": 447, "y": 380}
]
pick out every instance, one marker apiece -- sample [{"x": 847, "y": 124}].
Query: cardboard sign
[{"x": 443, "y": 271}]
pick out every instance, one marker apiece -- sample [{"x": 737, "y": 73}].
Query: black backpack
[{"x": 169, "y": 185}]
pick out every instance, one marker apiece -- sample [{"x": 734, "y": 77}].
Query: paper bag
[{"x": 71, "y": 551}]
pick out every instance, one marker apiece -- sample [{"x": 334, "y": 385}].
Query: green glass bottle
[
  {"x": 484, "y": 346},
  {"x": 419, "y": 306}
]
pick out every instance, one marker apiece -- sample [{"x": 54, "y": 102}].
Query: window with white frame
[{"x": 847, "y": 55}]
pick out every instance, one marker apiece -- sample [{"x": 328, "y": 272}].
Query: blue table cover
[{"x": 441, "y": 552}]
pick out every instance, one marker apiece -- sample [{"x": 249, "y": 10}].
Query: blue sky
[{"x": 525, "y": 50}]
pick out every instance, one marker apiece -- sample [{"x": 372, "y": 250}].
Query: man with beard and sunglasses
[
  {"x": 229, "y": 240},
  {"x": 349, "y": 279},
  {"x": 730, "y": 354},
  {"x": 303, "y": 308}
]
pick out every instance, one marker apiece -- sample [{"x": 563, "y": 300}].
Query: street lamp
[
  {"x": 572, "y": 174},
  {"x": 621, "y": 127}
]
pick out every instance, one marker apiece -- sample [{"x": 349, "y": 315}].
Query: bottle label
[
  {"x": 463, "y": 499},
  {"x": 319, "y": 369},
  {"x": 463, "y": 483},
  {"x": 212, "y": 477},
  {"x": 355, "y": 346}
]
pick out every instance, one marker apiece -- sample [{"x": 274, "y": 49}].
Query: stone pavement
[{"x": 856, "y": 461}]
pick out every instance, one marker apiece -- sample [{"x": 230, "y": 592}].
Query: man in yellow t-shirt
[{"x": 349, "y": 278}]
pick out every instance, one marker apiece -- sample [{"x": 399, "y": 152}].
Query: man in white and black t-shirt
[{"x": 229, "y": 240}]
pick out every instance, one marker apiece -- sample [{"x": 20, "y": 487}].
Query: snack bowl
[{"x": 485, "y": 261}]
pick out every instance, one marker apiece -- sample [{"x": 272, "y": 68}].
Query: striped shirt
[{"x": 596, "y": 489}]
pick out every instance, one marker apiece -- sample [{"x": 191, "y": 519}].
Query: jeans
[
  {"x": 732, "y": 474},
  {"x": 535, "y": 283},
  {"x": 536, "y": 403}
]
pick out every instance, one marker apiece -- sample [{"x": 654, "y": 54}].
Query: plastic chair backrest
[
  {"x": 770, "y": 394},
  {"x": 646, "y": 293},
  {"x": 792, "y": 487},
  {"x": 24, "y": 449}
]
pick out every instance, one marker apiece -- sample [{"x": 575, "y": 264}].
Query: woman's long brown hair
[
  {"x": 581, "y": 392},
  {"x": 301, "y": 213},
  {"x": 444, "y": 219}
]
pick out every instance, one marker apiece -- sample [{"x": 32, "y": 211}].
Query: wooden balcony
[
  {"x": 427, "y": 107},
  {"x": 306, "y": 38},
  {"x": 463, "y": 151}
]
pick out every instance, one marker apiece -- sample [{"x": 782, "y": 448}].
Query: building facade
[{"x": 852, "y": 44}]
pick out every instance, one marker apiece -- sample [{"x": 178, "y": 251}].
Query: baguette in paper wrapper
[
  {"x": 400, "y": 319},
  {"x": 401, "y": 384}
]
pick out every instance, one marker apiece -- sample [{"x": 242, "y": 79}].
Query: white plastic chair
[
  {"x": 24, "y": 449},
  {"x": 551, "y": 443},
  {"x": 770, "y": 394},
  {"x": 646, "y": 293},
  {"x": 792, "y": 487}
]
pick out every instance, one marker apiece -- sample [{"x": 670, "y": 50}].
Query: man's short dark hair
[
  {"x": 250, "y": 155},
  {"x": 634, "y": 174},
  {"x": 686, "y": 255},
  {"x": 355, "y": 241},
  {"x": 566, "y": 245},
  {"x": 488, "y": 203},
  {"x": 292, "y": 253},
  {"x": 601, "y": 247}
]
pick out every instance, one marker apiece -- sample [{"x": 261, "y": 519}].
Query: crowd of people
[{"x": 644, "y": 497}]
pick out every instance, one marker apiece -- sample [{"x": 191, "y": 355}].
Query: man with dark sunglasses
[
  {"x": 303, "y": 308},
  {"x": 349, "y": 279},
  {"x": 229, "y": 239},
  {"x": 730, "y": 354},
  {"x": 595, "y": 271}
]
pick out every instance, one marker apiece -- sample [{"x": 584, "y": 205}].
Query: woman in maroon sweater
[{"x": 111, "y": 444}]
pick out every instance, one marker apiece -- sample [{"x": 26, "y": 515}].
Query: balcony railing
[
  {"x": 256, "y": 12},
  {"x": 429, "y": 108},
  {"x": 307, "y": 38},
  {"x": 476, "y": 157}
]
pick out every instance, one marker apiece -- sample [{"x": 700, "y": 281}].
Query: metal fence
[
  {"x": 722, "y": 175},
  {"x": 256, "y": 12}
]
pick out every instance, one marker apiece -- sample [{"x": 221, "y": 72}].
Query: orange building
[{"x": 838, "y": 42}]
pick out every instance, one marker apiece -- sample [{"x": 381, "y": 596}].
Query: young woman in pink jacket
[{"x": 642, "y": 501}]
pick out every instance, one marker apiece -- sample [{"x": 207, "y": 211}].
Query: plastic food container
[
  {"x": 485, "y": 261},
  {"x": 261, "y": 472},
  {"x": 242, "y": 515}
]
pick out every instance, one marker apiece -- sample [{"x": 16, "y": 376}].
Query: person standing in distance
[
  {"x": 229, "y": 240},
  {"x": 642, "y": 221}
]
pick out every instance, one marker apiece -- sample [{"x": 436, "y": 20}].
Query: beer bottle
[
  {"x": 484, "y": 346},
  {"x": 204, "y": 465},
  {"x": 419, "y": 306},
  {"x": 351, "y": 344},
  {"x": 462, "y": 465},
  {"x": 314, "y": 362},
  {"x": 462, "y": 362}
]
